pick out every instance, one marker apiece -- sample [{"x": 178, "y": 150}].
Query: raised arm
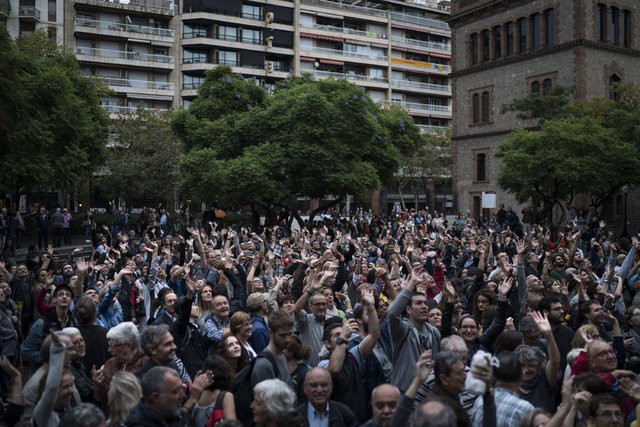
[{"x": 552, "y": 368}]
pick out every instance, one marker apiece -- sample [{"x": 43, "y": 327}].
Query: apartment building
[{"x": 505, "y": 51}]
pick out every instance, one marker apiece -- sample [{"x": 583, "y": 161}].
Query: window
[
  {"x": 228, "y": 58},
  {"x": 549, "y": 18},
  {"x": 522, "y": 32},
  {"x": 510, "y": 48},
  {"x": 535, "y": 88},
  {"x": 485, "y": 45},
  {"x": 473, "y": 45},
  {"x": 251, "y": 12},
  {"x": 497, "y": 40},
  {"x": 52, "y": 15},
  {"x": 481, "y": 167},
  {"x": 547, "y": 84},
  {"x": 194, "y": 56},
  {"x": 191, "y": 31},
  {"x": 227, "y": 33},
  {"x": 613, "y": 25},
  {"x": 376, "y": 74},
  {"x": 476, "y": 108},
  {"x": 485, "y": 107},
  {"x": 602, "y": 23},
  {"x": 625, "y": 28},
  {"x": 535, "y": 30},
  {"x": 251, "y": 36},
  {"x": 192, "y": 82},
  {"x": 614, "y": 95}
]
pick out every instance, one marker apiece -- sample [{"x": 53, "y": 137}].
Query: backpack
[
  {"x": 243, "y": 391},
  {"x": 217, "y": 415}
]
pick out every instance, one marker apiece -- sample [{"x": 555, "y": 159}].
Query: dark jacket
[
  {"x": 140, "y": 416},
  {"x": 339, "y": 415}
]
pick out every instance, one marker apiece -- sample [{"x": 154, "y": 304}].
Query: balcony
[
  {"x": 155, "y": 7},
  {"x": 434, "y": 130},
  {"x": 318, "y": 50},
  {"x": 427, "y": 109},
  {"x": 123, "y": 110},
  {"x": 29, "y": 13},
  {"x": 139, "y": 84},
  {"x": 423, "y": 66},
  {"x": 124, "y": 57},
  {"x": 428, "y": 87},
  {"x": 342, "y": 30},
  {"x": 420, "y": 21},
  {"x": 426, "y": 45},
  {"x": 377, "y": 81},
  {"x": 126, "y": 30},
  {"x": 346, "y": 7}
]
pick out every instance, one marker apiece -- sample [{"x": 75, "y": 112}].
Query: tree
[
  {"x": 142, "y": 164},
  {"x": 53, "y": 131},
  {"x": 314, "y": 139}
]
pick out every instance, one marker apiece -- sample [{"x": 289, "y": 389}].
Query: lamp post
[{"x": 625, "y": 190}]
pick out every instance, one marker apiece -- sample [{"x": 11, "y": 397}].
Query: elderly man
[
  {"x": 319, "y": 409},
  {"x": 450, "y": 375},
  {"x": 384, "y": 401},
  {"x": 311, "y": 325}
]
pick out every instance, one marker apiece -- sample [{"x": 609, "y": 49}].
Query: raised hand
[{"x": 541, "y": 320}]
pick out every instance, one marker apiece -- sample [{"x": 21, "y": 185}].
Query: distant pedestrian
[
  {"x": 43, "y": 229},
  {"x": 66, "y": 226}
]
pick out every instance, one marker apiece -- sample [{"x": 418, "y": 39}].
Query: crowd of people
[{"x": 365, "y": 320}]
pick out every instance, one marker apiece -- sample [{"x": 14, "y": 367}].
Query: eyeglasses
[
  {"x": 318, "y": 385},
  {"x": 468, "y": 327},
  {"x": 605, "y": 353},
  {"x": 608, "y": 415}
]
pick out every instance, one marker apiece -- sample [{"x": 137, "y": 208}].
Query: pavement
[{"x": 64, "y": 250}]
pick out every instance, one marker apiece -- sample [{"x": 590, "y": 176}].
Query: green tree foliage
[
  {"x": 308, "y": 139},
  {"x": 142, "y": 161},
  {"x": 53, "y": 131},
  {"x": 591, "y": 148}
]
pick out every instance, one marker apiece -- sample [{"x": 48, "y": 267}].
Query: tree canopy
[
  {"x": 141, "y": 164},
  {"x": 590, "y": 147},
  {"x": 316, "y": 139},
  {"x": 53, "y": 132}
]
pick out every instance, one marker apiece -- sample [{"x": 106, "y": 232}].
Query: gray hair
[
  {"x": 277, "y": 396},
  {"x": 530, "y": 354},
  {"x": 125, "y": 333},
  {"x": 443, "y": 363},
  {"x": 152, "y": 336},
  {"x": 124, "y": 393},
  {"x": 83, "y": 415},
  {"x": 453, "y": 343},
  {"x": 70, "y": 331},
  {"x": 434, "y": 414},
  {"x": 153, "y": 380}
]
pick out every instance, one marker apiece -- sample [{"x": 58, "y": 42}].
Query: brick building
[{"x": 507, "y": 50}]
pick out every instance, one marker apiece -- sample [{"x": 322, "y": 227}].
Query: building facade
[
  {"x": 154, "y": 53},
  {"x": 508, "y": 50}
]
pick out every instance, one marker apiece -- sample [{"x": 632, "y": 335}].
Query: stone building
[{"x": 503, "y": 51}]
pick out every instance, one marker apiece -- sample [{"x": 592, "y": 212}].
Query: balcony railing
[
  {"x": 139, "y": 84},
  {"x": 422, "y": 43},
  {"x": 423, "y": 22},
  {"x": 358, "y": 9},
  {"x": 419, "y": 85},
  {"x": 348, "y": 76},
  {"x": 125, "y": 109},
  {"x": 28, "y": 12},
  {"x": 120, "y": 54},
  {"x": 416, "y": 107},
  {"x": 153, "y": 6},
  {"x": 377, "y": 57},
  {"x": 433, "y": 129},
  {"x": 342, "y": 30},
  {"x": 116, "y": 26}
]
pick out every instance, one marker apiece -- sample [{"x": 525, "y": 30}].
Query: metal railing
[
  {"x": 116, "y": 26},
  {"x": 424, "y": 22},
  {"x": 124, "y": 109},
  {"x": 342, "y": 30},
  {"x": 140, "y": 84},
  {"x": 120, "y": 54},
  {"x": 152, "y": 5},
  {"x": 433, "y": 129},
  {"x": 377, "y": 57},
  {"x": 26, "y": 11},
  {"x": 420, "y": 85},
  {"x": 422, "y": 43},
  {"x": 415, "y": 106},
  {"x": 348, "y": 76},
  {"x": 358, "y": 9}
]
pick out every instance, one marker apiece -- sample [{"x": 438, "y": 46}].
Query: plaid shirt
[{"x": 510, "y": 409}]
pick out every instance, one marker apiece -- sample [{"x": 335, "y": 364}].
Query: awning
[{"x": 321, "y": 37}]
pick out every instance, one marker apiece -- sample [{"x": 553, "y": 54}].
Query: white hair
[{"x": 124, "y": 333}]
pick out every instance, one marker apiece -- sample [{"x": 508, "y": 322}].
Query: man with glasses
[
  {"x": 311, "y": 325},
  {"x": 605, "y": 411},
  {"x": 552, "y": 307}
]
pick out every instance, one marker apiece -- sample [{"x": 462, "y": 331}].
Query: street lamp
[{"x": 625, "y": 190}]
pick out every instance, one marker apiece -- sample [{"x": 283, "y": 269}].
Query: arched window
[
  {"x": 481, "y": 167},
  {"x": 473, "y": 48},
  {"x": 613, "y": 93},
  {"x": 546, "y": 86},
  {"x": 535, "y": 88}
]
